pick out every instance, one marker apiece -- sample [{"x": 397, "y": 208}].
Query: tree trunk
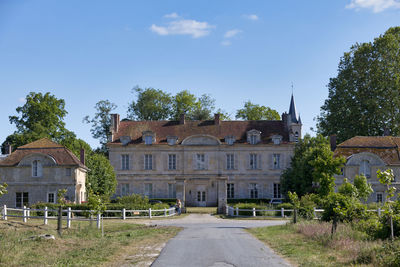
[
  {"x": 391, "y": 228},
  {"x": 334, "y": 226},
  {"x": 295, "y": 216},
  {"x": 59, "y": 221}
]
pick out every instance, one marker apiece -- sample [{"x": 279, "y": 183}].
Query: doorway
[{"x": 201, "y": 198}]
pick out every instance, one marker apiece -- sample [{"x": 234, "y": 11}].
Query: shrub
[{"x": 286, "y": 206}]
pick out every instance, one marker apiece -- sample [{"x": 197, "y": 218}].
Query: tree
[
  {"x": 151, "y": 104},
  {"x": 312, "y": 168},
  {"x": 364, "y": 97},
  {"x": 255, "y": 112},
  {"x": 101, "y": 177},
  {"x": 387, "y": 178},
  {"x": 364, "y": 189},
  {"x": 3, "y": 189},
  {"x": 41, "y": 116},
  {"x": 101, "y": 122}
]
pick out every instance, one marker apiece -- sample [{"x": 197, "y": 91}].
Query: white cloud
[
  {"x": 171, "y": 16},
  {"x": 375, "y": 5},
  {"x": 251, "y": 17},
  {"x": 232, "y": 33},
  {"x": 22, "y": 99},
  {"x": 226, "y": 43},
  {"x": 184, "y": 27}
]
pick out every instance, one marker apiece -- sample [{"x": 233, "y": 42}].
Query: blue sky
[{"x": 86, "y": 51}]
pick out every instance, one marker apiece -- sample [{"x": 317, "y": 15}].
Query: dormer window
[
  {"x": 36, "y": 168},
  {"x": 253, "y": 136},
  {"x": 365, "y": 168},
  {"x": 277, "y": 139},
  {"x": 230, "y": 139},
  {"x": 149, "y": 137},
  {"x": 172, "y": 140}
]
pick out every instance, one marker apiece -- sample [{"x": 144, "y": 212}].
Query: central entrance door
[{"x": 201, "y": 198}]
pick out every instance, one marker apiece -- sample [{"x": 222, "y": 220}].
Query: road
[{"x": 210, "y": 241}]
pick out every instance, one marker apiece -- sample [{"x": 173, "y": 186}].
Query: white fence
[
  {"x": 71, "y": 215},
  {"x": 231, "y": 211}
]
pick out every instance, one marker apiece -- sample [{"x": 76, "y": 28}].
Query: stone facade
[
  {"x": 202, "y": 162},
  {"x": 35, "y": 172},
  {"x": 366, "y": 155}
]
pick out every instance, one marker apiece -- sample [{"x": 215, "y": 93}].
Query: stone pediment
[{"x": 201, "y": 140}]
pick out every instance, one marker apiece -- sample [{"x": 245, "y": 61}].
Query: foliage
[
  {"x": 3, "y": 189},
  {"x": 151, "y": 104},
  {"x": 61, "y": 196},
  {"x": 194, "y": 108},
  {"x": 307, "y": 204},
  {"x": 348, "y": 189},
  {"x": 42, "y": 115},
  {"x": 386, "y": 178},
  {"x": 101, "y": 121},
  {"x": 95, "y": 203},
  {"x": 134, "y": 199},
  {"x": 252, "y": 111},
  {"x": 101, "y": 176},
  {"x": 364, "y": 96},
  {"x": 364, "y": 189},
  {"x": 312, "y": 168}
]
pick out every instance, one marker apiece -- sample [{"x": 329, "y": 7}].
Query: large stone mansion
[{"x": 203, "y": 162}]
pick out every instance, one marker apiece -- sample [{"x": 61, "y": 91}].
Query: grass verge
[
  {"x": 202, "y": 210},
  {"x": 82, "y": 245}
]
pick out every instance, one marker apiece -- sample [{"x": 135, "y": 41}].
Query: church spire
[{"x": 292, "y": 111}]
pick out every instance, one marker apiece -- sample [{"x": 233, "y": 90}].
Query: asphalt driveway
[{"x": 210, "y": 241}]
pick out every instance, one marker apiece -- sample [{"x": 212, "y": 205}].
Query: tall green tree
[
  {"x": 255, "y": 112},
  {"x": 312, "y": 168},
  {"x": 151, "y": 104},
  {"x": 42, "y": 115},
  {"x": 365, "y": 95},
  {"x": 101, "y": 122},
  {"x": 101, "y": 177}
]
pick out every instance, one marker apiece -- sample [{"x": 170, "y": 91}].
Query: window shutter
[
  {"x": 282, "y": 163},
  {"x": 236, "y": 161},
  {"x": 154, "y": 162},
  {"x": 259, "y": 162},
  {"x": 178, "y": 159},
  {"x": 248, "y": 161},
  {"x": 194, "y": 161},
  {"x": 165, "y": 161},
  {"x": 206, "y": 161},
  {"x": 141, "y": 162}
]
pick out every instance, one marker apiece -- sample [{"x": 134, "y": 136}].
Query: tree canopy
[
  {"x": 365, "y": 95},
  {"x": 252, "y": 111},
  {"x": 101, "y": 122},
  {"x": 312, "y": 167}
]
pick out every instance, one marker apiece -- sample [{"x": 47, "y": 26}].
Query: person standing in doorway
[{"x": 178, "y": 206}]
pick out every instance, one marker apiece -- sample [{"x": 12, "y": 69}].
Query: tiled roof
[
  {"x": 162, "y": 129},
  {"x": 62, "y": 155},
  {"x": 386, "y": 147}
]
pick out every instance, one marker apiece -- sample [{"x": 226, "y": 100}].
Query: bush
[
  {"x": 286, "y": 206},
  {"x": 249, "y": 206},
  {"x": 248, "y": 200}
]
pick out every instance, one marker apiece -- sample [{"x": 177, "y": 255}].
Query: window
[
  {"x": 230, "y": 190},
  {"x": 171, "y": 162},
  {"x": 125, "y": 162},
  {"x": 125, "y": 190},
  {"x": 148, "y": 139},
  {"x": 253, "y": 161},
  {"x": 296, "y": 137},
  {"x": 68, "y": 171},
  {"x": 253, "y": 191},
  {"x": 148, "y": 162},
  {"x": 229, "y": 140},
  {"x": 379, "y": 197},
  {"x": 21, "y": 199},
  {"x": 253, "y": 139},
  {"x": 277, "y": 191},
  {"x": 230, "y": 161},
  {"x": 200, "y": 162},
  {"x": 51, "y": 198},
  {"x": 171, "y": 190},
  {"x": 277, "y": 139},
  {"x": 36, "y": 168},
  {"x": 365, "y": 168},
  {"x": 201, "y": 196},
  {"x": 171, "y": 140},
  {"x": 277, "y": 163},
  {"x": 148, "y": 190}
]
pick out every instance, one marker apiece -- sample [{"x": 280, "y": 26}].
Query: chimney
[
  {"x": 82, "y": 158},
  {"x": 182, "y": 119},
  {"x": 114, "y": 125},
  {"x": 217, "y": 120},
  {"x": 333, "y": 142},
  {"x": 8, "y": 149}
]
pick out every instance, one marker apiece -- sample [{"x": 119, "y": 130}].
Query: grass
[
  {"x": 223, "y": 216},
  {"x": 203, "y": 210},
  {"x": 82, "y": 245},
  {"x": 310, "y": 244}
]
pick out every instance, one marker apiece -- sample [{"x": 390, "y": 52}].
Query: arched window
[
  {"x": 36, "y": 168},
  {"x": 365, "y": 168}
]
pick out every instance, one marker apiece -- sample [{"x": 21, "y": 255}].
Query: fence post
[
  {"x": 98, "y": 222},
  {"x": 69, "y": 217},
  {"x": 283, "y": 212},
  {"x": 28, "y": 213},
  {"x": 165, "y": 212},
  {"x": 45, "y": 215},
  {"x": 379, "y": 212},
  {"x": 150, "y": 213},
  {"x": 315, "y": 213},
  {"x": 5, "y": 212},
  {"x": 24, "y": 214},
  {"x": 237, "y": 211},
  {"x": 123, "y": 214},
  {"x": 254, "y": 212}
]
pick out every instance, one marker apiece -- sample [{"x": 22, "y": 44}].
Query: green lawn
[
  {"x": 207, "y": 210},
  {"x": 82, "y": 245}
]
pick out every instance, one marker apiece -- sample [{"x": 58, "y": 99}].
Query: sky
[{"x": 235, "y": 51}]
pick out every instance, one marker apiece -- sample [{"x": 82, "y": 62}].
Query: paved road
[{"x": 209, "y": 241}]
